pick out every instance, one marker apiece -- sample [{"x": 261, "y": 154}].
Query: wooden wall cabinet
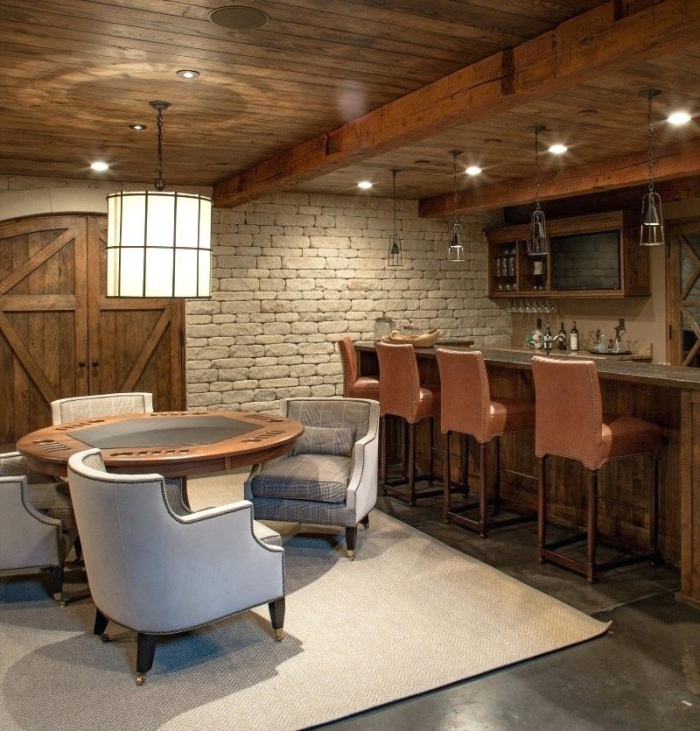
[
  {"x": 61, "y": 336},
  {"x": 522, "y": 279}
]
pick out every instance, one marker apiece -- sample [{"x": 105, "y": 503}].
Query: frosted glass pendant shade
[
  {"x": 158, "y": 245},
  {"x": 652, "y": 230},
  {"x": 456, "y": 250}
]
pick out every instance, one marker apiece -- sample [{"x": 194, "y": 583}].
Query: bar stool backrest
[
  {"x": 466, "y": 397},
  {"x": 399, "y": 382},
  {"x": 348, "y": 359},
  {"x": 568, "y": 410}
]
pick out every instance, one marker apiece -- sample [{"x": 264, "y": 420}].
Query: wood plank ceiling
[{"x": 76, "y": 73}]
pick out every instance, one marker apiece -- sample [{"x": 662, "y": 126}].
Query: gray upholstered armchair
[
  {"x": 37, "y": 528},
  {"x": 157, "y": 571},
  {"x": 331, "y": 476}
]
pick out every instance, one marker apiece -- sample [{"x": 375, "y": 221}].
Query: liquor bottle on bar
[
  {"x": 562, "y": 337},
  {"x": 573, "y": 339},
  {"x": 548, "y": 332}
]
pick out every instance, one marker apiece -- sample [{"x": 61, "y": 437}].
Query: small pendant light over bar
[
  {"x": 652, "y": 228},
  {"x": 395, "y": 254},
  {"x": 158, "y": 242},
  {"x": 456, "y": 250},
  {"x": 537, "y": 244}
]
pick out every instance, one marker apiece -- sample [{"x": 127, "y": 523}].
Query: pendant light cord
[
  {"x": 537, "y": 169},
  {"x": 651, "y": 144},
  {"x": 454, "y": 192},
  {"x": 159, "y": 181},
  {"x": 393, "y": 176}
]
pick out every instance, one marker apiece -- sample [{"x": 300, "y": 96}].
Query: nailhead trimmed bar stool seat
[
  {"x": 468, "y": 409},
  {"x": 570, "y": 423},
  {"x": 401, "y": 394},
  {"x": 355, "y": 386}
]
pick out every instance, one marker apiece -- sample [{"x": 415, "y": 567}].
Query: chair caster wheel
[
  {"x": 62, "y": 603},
  {"x": 140, "y": 678},
  {"x": 105, "y": 637},
  {"x": 591, "y": 580}
]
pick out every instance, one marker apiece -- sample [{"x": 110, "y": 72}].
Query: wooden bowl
[{"x": 424, "y": 340}]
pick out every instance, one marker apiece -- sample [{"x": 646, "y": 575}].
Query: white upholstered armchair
[
  {"x": 105, "y": 404},
  {"x": 158, "y": 572},
  {"x": 331, "y": 476},
  {"x": 37, "y": 528}
]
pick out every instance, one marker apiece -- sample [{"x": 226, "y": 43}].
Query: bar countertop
[{"x": 630, "y": 371}]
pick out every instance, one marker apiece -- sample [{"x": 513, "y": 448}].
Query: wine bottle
[
  {"x": 573, "y": 339},
  {"x": 548, "y": 331},
  {"x": 562, "y": 337}
]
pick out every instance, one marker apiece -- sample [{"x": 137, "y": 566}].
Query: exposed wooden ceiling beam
[
  {"x": 590, "y": 44},
  {"x": 678, "y": 161}
]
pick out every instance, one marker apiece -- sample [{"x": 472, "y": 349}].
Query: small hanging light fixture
[
  {"x": 158, "y": 243},
  {"x": 395, "y": 254},
  {"x": 652, "y": 227},
  {"x": 537, "y": 244},
  {"x": 456, "y": 251}
]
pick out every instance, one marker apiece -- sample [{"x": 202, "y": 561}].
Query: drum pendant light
[
  {"x": 456, "y": 251},
  {"x": 537, "y": 244},
  {"x": 395, "y": 254},
  {"x": 652, "y": 227},
  {"x": 158, "y": 242}
]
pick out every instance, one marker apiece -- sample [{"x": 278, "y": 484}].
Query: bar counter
[{"x": 666, "y": 395}]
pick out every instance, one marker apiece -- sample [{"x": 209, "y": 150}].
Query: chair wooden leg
[
  {"x": 497, "y": 477},
  {"x": 351, "y": 541},
  {"x": 464, "y": 461},
  {"x": 412, "y": 464},
  {"x": 385, "y": 443},
  {"x": 654, "y": 516},
  {"x": 592, "y": 526},
  {"x": 483, "y": 530},
  {"x": 446, "y": 499},
  {"x": 56, "y": 581},
  {"x": 365, "y": 521},
  {"x": 541, "y": 508},
  {"x": 431, "y": 453},
  {"x": 100, "y": 625},
  {"x": 145, "y": 652},
  {"x": 277, "y": 617}
]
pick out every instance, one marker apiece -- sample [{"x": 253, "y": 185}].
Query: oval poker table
[{"x": 172, "y": 444}]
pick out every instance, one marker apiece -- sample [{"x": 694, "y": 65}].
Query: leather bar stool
[
  {"x": 467, "y": 408},
  {"x": 354, "y": 385},
  {"x": 570, "y": 423},
  {"x": 401, "y": 394}
]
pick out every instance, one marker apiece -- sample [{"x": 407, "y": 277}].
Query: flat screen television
[{"x": 585, "y": 261}]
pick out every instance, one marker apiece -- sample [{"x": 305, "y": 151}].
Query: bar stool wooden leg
[
  {"x": 464, "y": 461},
  {"x": 654, "y": 516},
  {"x": 412, "y": 464},
  {"x": 483, "y": 532},
  {"x": 497, "y": 477},
  {"x": 592, "y": 525},
  {"x": 431, "y": 456},
  {"x": 385, "y": 444},
  {"x": 447, "y": 494},
  {"x": 541, "y": 508}
]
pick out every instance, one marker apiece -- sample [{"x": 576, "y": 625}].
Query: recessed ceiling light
[
  {"x": 473, "y": 170},
  {"x": 558, "y": 149},
  {"x": 99, "y": 167},
  {"x": 364, "y": 185},
  {"x": 238, "y": 17},
  {"x": 678, "y": 119},
  {"x": 188, "y": 74},
  {"x": 138, "y": 127}
]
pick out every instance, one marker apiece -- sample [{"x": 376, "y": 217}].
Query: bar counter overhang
[{"x": 666, "y": 395}]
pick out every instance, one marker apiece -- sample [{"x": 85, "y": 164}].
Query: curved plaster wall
[{"x": 37, "y": 201}]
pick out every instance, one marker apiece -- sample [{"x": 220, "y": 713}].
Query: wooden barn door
[
  {"x": 60, "y": 335},
  {"x": 43, "y": 319},
  {"x": 683, "y": 293},
  {"x": 135, "y": 344}
]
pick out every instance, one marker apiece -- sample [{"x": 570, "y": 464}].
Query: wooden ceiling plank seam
[{"x": 589, "y": 43}]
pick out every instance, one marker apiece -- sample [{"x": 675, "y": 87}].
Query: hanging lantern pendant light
[
  {"x": 158, "y": 242},
  {"x": 652, "y": 226},
  {"x": 395, "y": 254},
  {"x": 537, "y": 244},
  {"x": 456, "y": 251}
]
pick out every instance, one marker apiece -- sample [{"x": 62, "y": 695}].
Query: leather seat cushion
[
  {"x": 365, "y": 387},
  {"x": 317, "y": 477},
  {"x": 265, "y": 534},
  {"x": 625, "y": 435},
  {"x": 428, "y": 402},
  {"x": 508, "y": 415}
]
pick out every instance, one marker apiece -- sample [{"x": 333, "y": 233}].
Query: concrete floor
[{"x": 644, "y": 675}]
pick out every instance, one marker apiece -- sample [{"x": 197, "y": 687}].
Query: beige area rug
[{"x": 409, "y": 615}]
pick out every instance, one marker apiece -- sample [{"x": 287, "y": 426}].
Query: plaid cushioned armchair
[{"x": 329, "y": 479}]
